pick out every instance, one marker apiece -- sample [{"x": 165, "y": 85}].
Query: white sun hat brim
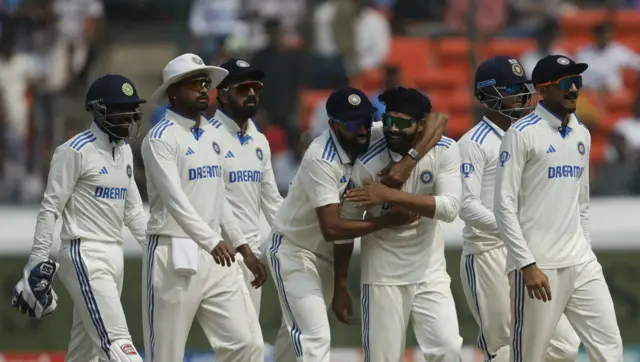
[{"x": 182, "y": 67}]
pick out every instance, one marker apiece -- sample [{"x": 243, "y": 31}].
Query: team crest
[
  {"x": 259, "y": 153},
  {"x": 426, "y": 177},
  {"x": 242, "y": 63},
  {"x": 216, "y": 147},
  {"x": 466, "y": 169},
  {"x": 129, "y": 171},
  {"x": 354, "y": 100},
  {"x": 581, "y": 148},
  {"x": 563, "y": 61},
  {"x": 197, "y": 60},
  {"x": 517, "y": 70},
  {"x": 127, "y": 89}
]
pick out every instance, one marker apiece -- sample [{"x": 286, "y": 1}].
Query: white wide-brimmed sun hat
[{"x": 182, "y": 67}]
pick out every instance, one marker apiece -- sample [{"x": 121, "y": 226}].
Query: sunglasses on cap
[
  {"x": 399, "y": 122},
  {"x": 243, "y": 89},
  {"x": 198, "y": 84},
  {"x": 354, "y": 125},
  {"x": 565, "y": 83}
]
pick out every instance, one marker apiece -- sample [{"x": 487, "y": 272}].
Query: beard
[
  {"x": 399, "y": 142},
  {"x": 352, "y": 145},
  {"x": 243, "y": 110}
]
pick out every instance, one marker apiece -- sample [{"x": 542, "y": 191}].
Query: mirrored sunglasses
[
  {"x": 565, "y": 83},
  {"x": 242, "y": 89},
  {"x": 400, "y": 123}
]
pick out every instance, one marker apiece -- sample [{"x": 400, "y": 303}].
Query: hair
[{"x": 406, "y": 100}]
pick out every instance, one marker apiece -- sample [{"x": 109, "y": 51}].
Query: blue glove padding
[{"x": 34, "y": 295}]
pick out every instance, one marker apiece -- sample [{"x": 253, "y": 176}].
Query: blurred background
[{"x": 50, "y": 50}]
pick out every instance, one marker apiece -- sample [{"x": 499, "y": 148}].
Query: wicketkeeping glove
[{"x": 34, "y": 295}]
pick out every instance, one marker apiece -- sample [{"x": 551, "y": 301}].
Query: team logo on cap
[
  {"x": 581, "y": 148},
  {"x": 127, "y": 89},
  {"x": 216, "y": 147},
  {"x": 129, "y": 171},
  {"x": 354, "y": 100},
  {"x": 563, "y": 61},
  {"x": 517, "y": 70},
  {"x": 242, "y": 63},
  {"x": 259, "y": 153},
  {"x": 426, "y": 177},
  {"x": 197, "y": 60}
]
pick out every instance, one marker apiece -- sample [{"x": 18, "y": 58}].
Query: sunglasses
[
  {"x": 514, "y": 89},
  {"x": 243, "y": 89},
  {"x": 400, "y": 123},
  {"x": 565, "y": 83},
  {"x": 198, "y": 84},
  {"x": 354, "y": 125}
]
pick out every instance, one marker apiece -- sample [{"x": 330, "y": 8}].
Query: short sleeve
[{"x": 320, "y": 181}]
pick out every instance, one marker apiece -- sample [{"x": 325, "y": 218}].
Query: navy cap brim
[
  {"x": 129, "y": 101},
  {"x": 573, "y": 69}
]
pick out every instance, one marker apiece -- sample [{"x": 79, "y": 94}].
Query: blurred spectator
[
  {"x": 624, "y": 146},
  {"x": 490, "y": 16},
  {"x": 526, "y": 16},
  {"x": 283, "y": 159},
  {"x": 17, "y": 72},
  {"x": 545, "y": 36},
  {"x": 283, "y": 76},
  {"x": 350, "y": 37},
  {"x": 210, "y": 23},
  {"x": 289, "y": 14},
  {"x": 79, "y": 23},
  {"x": 606, "y": 59}
]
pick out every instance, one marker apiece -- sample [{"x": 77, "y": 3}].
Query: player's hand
[
  {"x": 398, "y": 216},
  {"x": 341, "y": 305},
  {"x": 256, "y": 267},
  {"x": 223, "y": 254},
  {"x": 537, "y": 283},
  {"x": 396, "y": 174},
  {"x": 372, "y": 193}
]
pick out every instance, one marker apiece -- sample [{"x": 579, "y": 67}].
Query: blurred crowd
[{"x": 48, "y": 46}]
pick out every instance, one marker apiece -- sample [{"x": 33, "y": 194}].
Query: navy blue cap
[
  {"x": 500, "y": 71},
  {"x": 349, "y": 103},
  {"x": 112, "y": 89},
  {"x": 553, "y": 67},
  {"x": 239, "y": 71}
]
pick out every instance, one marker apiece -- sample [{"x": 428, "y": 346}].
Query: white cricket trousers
[
  {"x": 581, "y": 293},
  {"x": 213, "y": 295},
  {"x": 486, "y": 288},
  {"x": 305, "y": 289},
  {"x": 387, "y": 310},
  {"x": 92, "y": 272},
  {"x": 246, "y": 278}
]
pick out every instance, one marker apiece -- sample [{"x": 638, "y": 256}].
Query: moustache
[{"x": 571, "y": 96}]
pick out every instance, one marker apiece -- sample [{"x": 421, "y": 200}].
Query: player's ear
[
  {"x": 422, "y": 122},
  {"x": 332, "y": 124}
]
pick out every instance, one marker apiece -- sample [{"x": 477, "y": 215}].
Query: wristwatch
[{"x": 413, "y": 154}]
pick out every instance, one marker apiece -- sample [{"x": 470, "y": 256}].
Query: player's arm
[
  {"x": 65, "y": 169},
  {"x": 230, "y": 229},
  {"x": 472, "y": 211},
  {"x": 135, "y": 218},
  {"x": 270, "y": 198},
  {"x": 583, "y": 196},
  {"x": 513, "y": 157},
  {"x": 399, "y": 172},
  {"x": 320, "y": 182},
  {"x": 160, "y": 159},
  {"x": 445, "y": 204}
]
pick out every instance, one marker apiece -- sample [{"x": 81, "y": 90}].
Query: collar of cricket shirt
[
  {"x": 186, "y": 123},
  {"x": 222, "y": 118},
  {"x": 495, "y": 129},
  {"x": 103, "y": 139},
  {"x": 555, "y": 122},
  {"x": 342, "y": 154}
]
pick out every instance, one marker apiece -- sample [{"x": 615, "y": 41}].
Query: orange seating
[
  {"x": 308, "y": 101},
  {"x": 368, "y": 81},
  {"x": 510, "y": 47},
  {"x": 443, "y": 79},
  {"x": 581, "y": 22},
  {"x": 619, "y": 102},
  {"x": 626, "y": 22},
  {"x": 458, "y": 125},
  {"x": 454, "y": 52},
  {"x": 630, "y": 77},
  {"x": 409, "y": 54}
]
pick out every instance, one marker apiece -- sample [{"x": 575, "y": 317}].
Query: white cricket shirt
[
  {"x": 542, "y": 192},
  {"x": 321, "y": 180},
  {"x": 249, "y": 182},
  {"x": 479, "y": 151},
  {"x": 412, "y": 253},
  {"x": 91, "y": 185},
  {"x": 185, "y": 182}
]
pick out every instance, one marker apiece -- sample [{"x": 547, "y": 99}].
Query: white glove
[{"x": 34, "y": 295}]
